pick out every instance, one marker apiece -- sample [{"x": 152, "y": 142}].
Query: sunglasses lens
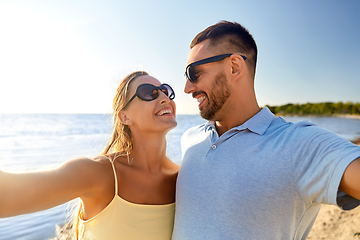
[
  {"x": 147, "y": 92},
  {"x": 190, "y": 74},
  {"x": 164, "y": 90},
  {"x": 168, "y": 91}
]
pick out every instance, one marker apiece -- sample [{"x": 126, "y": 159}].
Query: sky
[{"x": 69, "y": 56}]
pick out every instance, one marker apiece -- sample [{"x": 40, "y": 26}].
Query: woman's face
[{"x": 156, "y": 115}]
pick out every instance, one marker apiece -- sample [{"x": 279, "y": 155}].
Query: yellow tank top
[{"x": 125, "y": 220}]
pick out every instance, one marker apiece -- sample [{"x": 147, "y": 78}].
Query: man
[{"x": 247, "y": 174}]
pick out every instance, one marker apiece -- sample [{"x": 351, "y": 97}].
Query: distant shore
[
  {"x": 323, "y": 108},
  {"x": 352, "y": 116}
]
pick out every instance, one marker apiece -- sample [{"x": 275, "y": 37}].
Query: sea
[{"x": 35, "y": 142}]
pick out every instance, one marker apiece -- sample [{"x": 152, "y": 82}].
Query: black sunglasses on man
[{"x": 190, "y": 71}]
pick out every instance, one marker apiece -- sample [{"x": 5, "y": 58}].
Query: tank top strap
[{"x": 115, "y": 177}]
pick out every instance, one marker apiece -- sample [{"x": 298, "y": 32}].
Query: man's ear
[
  {"x": 124, "y": 118},
  {"x": 236, "y": 65}
]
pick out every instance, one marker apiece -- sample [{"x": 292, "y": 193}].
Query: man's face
[
  {"x": 211, "y": 88},
  {"x": 217, "y": 97}
]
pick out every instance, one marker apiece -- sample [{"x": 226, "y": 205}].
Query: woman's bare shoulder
[
  {"x": 87, "y": 161},
  {"x": 172, "y": 167},
  {"x": 96, "y": 171},
  {"x": 89, "y": 167}
]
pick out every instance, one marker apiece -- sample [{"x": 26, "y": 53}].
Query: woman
[{"x": 126, "y": 193}]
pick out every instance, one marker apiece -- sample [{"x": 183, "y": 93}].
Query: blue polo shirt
[{"x": 265, "y": 179}]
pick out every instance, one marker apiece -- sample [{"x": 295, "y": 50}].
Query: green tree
[{"x": 325, "y": 108}]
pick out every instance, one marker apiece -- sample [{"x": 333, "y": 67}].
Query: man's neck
[{"x": 234, "y": 120}]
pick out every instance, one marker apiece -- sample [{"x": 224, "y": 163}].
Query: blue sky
[{"x": 68, "y": 56}]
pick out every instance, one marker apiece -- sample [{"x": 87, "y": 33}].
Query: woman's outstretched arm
[{"x": 22, "y": 193}]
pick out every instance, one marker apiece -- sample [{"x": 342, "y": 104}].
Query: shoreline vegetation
[{"x": 324, "y": 109}]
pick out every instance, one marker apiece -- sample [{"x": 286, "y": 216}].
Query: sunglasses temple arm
[{"x": 130, "y": 101}]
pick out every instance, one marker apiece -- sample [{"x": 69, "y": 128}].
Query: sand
[{"x": 334, "y": 224}]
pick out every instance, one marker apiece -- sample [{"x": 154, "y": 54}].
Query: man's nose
[{"x": 189, "y": 87}]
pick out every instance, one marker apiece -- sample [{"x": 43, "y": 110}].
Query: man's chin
[{"x": 206, "y": 115}]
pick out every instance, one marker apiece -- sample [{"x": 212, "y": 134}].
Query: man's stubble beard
[{"x": 219, "y": 93}]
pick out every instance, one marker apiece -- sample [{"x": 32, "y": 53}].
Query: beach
[{"x": 333, "y": 223}]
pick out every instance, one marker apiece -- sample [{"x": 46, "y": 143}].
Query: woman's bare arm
[{"x": 29, "y": 192}]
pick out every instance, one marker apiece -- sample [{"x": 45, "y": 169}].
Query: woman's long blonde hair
[{"x": 121, "y": 140}]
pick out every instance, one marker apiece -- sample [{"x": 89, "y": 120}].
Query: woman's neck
[{"x": 149, "y": 152}]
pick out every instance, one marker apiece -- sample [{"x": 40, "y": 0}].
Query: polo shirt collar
[{"x": 259, "y": 123}]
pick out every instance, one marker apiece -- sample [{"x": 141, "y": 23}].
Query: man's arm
[{"x": 350, "y": 182}]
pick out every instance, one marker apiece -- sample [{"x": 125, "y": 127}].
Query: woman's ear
[{"x": 124, "y": 118}]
